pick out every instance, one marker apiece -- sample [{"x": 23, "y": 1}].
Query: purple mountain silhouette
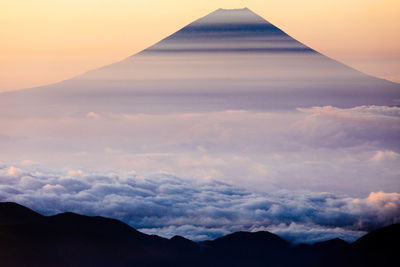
[{"x": 229, "y": 59}]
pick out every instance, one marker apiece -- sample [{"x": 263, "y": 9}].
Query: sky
[
  {"x": 228, "y": 125},
  {"x": 43, "y": 42}
]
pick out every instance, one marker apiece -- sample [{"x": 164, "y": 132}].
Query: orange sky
[{"x": 46, "y": 41}]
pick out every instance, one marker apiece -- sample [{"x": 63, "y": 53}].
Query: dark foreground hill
[{"x": 30, "y": 239}]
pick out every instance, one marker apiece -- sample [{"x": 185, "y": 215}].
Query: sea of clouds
[
  {"x": 168, "y": 205},
  {"x": 307, "y": 174}
]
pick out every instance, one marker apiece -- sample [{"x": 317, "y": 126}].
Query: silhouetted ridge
[
  {"x": 377, "y": 248},
  {"x": 13, "y": 213},
  {"x": 94, "y": 224},
  {"x": 179, "y": 240},
  {"x": 386, "y": 238},
  {"x": 246, "y": 249},
  {"x": 331, "y": 244},
  {"x": 261, "y": 238},
  {"x": 70, "y": 239}
]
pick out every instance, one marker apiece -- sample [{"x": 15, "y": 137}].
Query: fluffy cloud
[
  {"x": 355, "y": 113},
  {"x": 198, "y": 209},
  {"x": 335, "y": 127},
  {"x": 318, "y": 148},
  {"x": 310, "y": 233},
  {"x": 15, "y": 172},
  {"x": 384, "y": 200},
  {"x": 93, "y": 115},
  {"x": 76, "y": 173},
  {"x": 384, "y": 155},
  {"x": 11, "y": 173},
  {"x": 263, "y": 161}
]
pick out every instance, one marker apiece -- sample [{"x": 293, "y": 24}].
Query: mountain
[
  {"x": 68, "y": 239},
  {"x": 246, "y": 249},
  {"x": 229, "y": 59},
  {"x": 378, "y": 248},
  {"x": 13, "y": 213}
]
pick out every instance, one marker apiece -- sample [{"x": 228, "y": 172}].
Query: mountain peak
[
  {"x": 231, "y": 16},
  {"x": 227, "y": 31},
  {"x": 234, "y": 9},
  {"x": 229, "y": 59},
  {"x": 11, "y": 213}
]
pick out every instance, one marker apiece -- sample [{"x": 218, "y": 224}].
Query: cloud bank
[
  {"x": 308, "y": 174},
  {"x": 317, "y": 149},
  {"x": 168, "y": 205}
]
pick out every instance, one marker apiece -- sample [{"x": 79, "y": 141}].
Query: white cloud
[
  {"x": 382, "y": 200},
  {"x": 93, "y": 115},
  {"x": 355, "y": 113},
  {"x": 202, "y": 209},
  {"x": 384, "y": 155},
  {"x": 319, "y": 148},
  {"x": 310, "y": 233},
  {"x": 15, "y": 172},
  {"x": 75, "y": 173},
  {"x": 53, "y": 188},
  {"x": 239, "y": 163}
]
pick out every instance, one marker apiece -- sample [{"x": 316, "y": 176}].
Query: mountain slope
[
  {"x": 229, "y": 59},
  {"x": 246, "y": 249},
  {"x": 13, "y": 213},
  {"x": 70, "y": 239}
]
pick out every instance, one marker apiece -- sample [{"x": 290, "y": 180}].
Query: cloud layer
[
  {"x": 317, "y": 149},
  {"x": 168, "y": 205},
  {"x": 307, "y": 174}
]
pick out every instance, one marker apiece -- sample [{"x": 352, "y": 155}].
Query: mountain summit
[
  {"x": 231, "y": 16},
  {"x": 229, "y": 59},
  {"x": 229, "y": 30}
]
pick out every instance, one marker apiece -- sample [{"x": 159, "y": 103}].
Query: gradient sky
[{"x": 46, "y": 41}]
